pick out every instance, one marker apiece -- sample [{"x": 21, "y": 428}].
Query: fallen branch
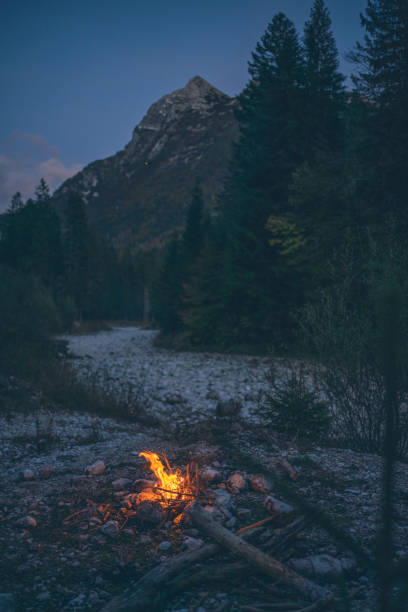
[
  {"x": 254, "y": 525},
  {"x": 266, "y": 564},
  {"x": 145, "y": 595},
  {"x": 319, "y": 516},
  {"x": 207, "y": 575}
]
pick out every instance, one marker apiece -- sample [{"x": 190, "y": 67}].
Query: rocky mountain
[{"x": 139, "y": 196}]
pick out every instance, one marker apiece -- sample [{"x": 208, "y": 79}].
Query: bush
[
  {"x": 291, "y": 407},
  {"x": 343, "y": 333},
  {"x": 27, "y": 310}
]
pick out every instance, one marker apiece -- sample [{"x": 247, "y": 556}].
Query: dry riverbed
[{"x": 62, "y": 474}]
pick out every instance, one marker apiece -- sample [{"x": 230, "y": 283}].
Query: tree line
[
  {"x": 83, "y": 277},
  {"x": 316, "y": 195}
]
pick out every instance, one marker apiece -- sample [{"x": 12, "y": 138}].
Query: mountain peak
[{"x": 199, "y": 87}]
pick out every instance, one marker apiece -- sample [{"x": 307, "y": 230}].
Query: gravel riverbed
[{"x": 187, "y": 384}]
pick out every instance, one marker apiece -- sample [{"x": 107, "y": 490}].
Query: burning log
[{"x": 265, "y": 563}]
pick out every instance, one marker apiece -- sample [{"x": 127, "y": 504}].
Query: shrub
[
  {"x": 343, "y": 333},
  {"x": 291, "y": 407}
]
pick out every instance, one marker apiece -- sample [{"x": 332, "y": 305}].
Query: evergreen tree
[
  {"x": 323, "y": 82},
  {"x": 167, "y": 289},
  {"x": 192, "y": 238},
  {"x": 76, "y": 245},
  {"x": 42, "y": 192},
  {"x": 16, "y": 202},
  {"x": 271, "y": 146},
  {"x": 382, "y": 80},
  {"x": 31, "y": 238}
]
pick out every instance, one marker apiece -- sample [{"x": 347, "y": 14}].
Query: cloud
[{"x": 25, "y": 159}]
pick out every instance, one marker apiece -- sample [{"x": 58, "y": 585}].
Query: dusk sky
[{"x": 76, "y": 77}]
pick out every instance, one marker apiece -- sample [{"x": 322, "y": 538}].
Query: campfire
[
  {"x": 164, "y": 517},
  {"x": 174, "y": 489}
]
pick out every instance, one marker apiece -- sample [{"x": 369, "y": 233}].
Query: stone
[
  {"x": 324, "y": 567},
  {"x": 121, "y": 483},
  {"x": 277, "y": 507},
  {"x": 149, "y": 512},
  {"x": 96, "y": 469},
  {"x": 228, "y": 409},
  {"x": 209, "y": 475},
  {"x": 222, "y": 498},
  {"x": 142, "y": 483},
  {"x": 236, "y": 483},
  {"x": 44, "y": 596},
  {"x": 28, "y": 521},
  {"x": 110, "y": 528},
  {"x": 243, "y": 513},
  {"x": 260, "y": 484},
  {"x": 215, "y": 513},
  {"x": 28, "y": 475},
  {"x": 46, "y": 471},
  {"x": 7, "y": 602},
  {"x": 145, "y": 539},
  {"x": 77, "y": 601},
  {"x": 191, "y": 543},
  {"x": 231, "y": 522},
  {"x": 212, "y": 395},
  {"x": 164, "y": 546}
]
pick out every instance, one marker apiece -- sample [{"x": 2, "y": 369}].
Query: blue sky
[{"x": 76, "y": 77}]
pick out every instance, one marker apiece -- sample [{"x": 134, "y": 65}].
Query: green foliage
[
  {"x": 28, "y": 315},
  {"x": 292, "y": 407},
  {"x": 341, "y": 333},
  {"x": 323, "y": 82},
  {"x": 382, "y": 63}
]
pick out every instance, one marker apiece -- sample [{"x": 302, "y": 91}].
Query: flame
[{"x": 173, "y": 486}]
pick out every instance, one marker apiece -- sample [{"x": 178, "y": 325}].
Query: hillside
[{"x": 139, "y": 195}]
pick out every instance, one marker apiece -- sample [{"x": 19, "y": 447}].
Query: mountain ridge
[{"x": 138, "y": 197}]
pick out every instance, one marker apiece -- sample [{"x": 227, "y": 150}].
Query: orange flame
[{"x": 173, "y": 486}]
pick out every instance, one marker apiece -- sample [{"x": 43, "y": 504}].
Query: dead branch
[
  {"x": 319, "y": 516},
  {"x": 143, "y": 596},
  {"x": 266, "y": 564},
  {"x": 254, "y": 525},
  {"x": 206, "y": 576}
]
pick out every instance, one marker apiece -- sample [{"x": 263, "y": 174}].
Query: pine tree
[
  {"x": 323, "y": 82},
  {"x": 16, "y": 202},
  {"x": 167, "y": 289},
  {"x": 383, "y": 81},
  {"x": 192, "y": 238},
  {"x": 76, "y": 249},
  {"x": 42, "y": 192},
  {"x": 271, "y": 146}
]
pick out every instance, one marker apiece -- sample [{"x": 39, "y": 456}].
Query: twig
[{"x": 254, "y": 525}]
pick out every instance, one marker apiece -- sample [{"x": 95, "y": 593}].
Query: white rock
[
  {"x": 110, "y": 528},
  {"x": 28, "y": 521},
  {"x": 210, "y": 475},
  {"x": 222, "y": 498},
  {"x": 28, "y": 475},
  {"x": 96, "y": 469},
  {"x": 237, "y": 481},
  {"x": 191, "y": 543},
  {"x": 260, "y": 484},
  {"x": 322, "y": 566},
  {"x": 46, "y": 471},
  {"x": 276, "y": 506},
  {"x": 121, "y": 483},
  {"x": 164, "y": 545}
]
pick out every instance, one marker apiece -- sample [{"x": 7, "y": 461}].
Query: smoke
[{"x": 25, "y": 159}]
